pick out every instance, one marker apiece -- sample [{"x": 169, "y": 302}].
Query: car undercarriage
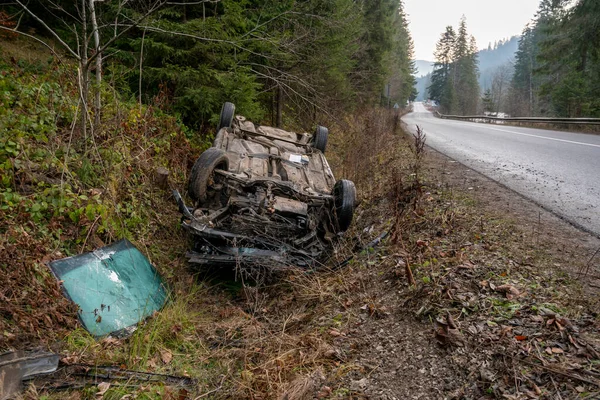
[{"x": 264, "y": 196}]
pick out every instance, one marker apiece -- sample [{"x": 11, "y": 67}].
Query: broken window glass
[
  {"x": 18, "y": 365},
  {"x": 115, "y": 287}
]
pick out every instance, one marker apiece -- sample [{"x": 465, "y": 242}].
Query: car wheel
[
  {"x": 202, "y": 175},
  {"x": 227, "y": 114},
  {"x": 320, "y": 138},
  {"x": 344, "y": 193}
]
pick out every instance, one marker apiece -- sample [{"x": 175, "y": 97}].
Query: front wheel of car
[
  {"x": 226, "y": 117},
  {"x": 203, "y": 173},
  {"x": 344, "y": 193},
  {"x": 320, "y": 138}
]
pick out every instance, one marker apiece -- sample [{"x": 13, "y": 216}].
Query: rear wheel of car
[
  {"x": 203, "y": 173},
  {"x": 320, "y": 138},
  {"x": 227, "y": 114},
  {"x": 344, "y": 193}
]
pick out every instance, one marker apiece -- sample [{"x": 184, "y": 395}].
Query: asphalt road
[{"x": 558, "y": 170}]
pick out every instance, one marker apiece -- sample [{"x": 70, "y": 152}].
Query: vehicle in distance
[{"x": 265, "y": 196}]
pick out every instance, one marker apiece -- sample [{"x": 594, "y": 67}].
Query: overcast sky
[{"x": 487, "y": 20}]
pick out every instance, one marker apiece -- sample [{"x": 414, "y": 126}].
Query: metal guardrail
[{"x": 527, "y": 120}]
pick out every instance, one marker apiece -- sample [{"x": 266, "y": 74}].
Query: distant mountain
[
  {"x": 499, "y": 54},
  {"x": 502, "y": 53},
  {"x": 423, "y": 67}
]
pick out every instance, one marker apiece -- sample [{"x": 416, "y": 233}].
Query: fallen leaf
[
  {"x": 505, "y": 330},
  {"x": 102, "y": 388},
  {"x": 110, "y": 341},
  {"x": 72, "y": 359},
  {"x": 335, "y": 333},
  {"x": 183, "y": 394},
  {"x": 509, "y": 290},
  {"x": 557, "y": 350},
  {"x": 466, "y": 265},
  {"x": 175, "y": 329},
  {"x": 166, "y": 356},
  {"x": 537, "y": 318},
  {"x": 151, "y": 363},
  {"x": 548, "y": 350},
  {"x": 324, "y": 392}
]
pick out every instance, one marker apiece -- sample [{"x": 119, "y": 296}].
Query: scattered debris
[
  {"x": 105, "y": 377},
  {"x": 115, "y": 287},
  {"x": 18, "y": 365}
]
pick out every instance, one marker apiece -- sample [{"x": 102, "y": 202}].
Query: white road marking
[{"x": 544, "y": 137}]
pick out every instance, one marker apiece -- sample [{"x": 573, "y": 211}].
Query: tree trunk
[
  {"x": 98, "y": 100},
  {"x": 279, "y": 118},
  {"x": 141, "y": 68},
  {"x": 84, "y": 71}
]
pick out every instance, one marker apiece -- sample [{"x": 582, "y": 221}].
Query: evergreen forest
[
  {"x": 281, "y": 62},
  {"x": 454, "y": 82},
  {"x": 555, "y": 72},
  {"x": 557, "y": 65}
]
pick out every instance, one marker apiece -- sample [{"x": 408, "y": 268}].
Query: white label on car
[{"x": 297, "y": 158}]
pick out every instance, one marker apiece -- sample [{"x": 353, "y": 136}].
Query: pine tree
[
  {"x": 488, "y": 101},
  {"x": 524, "y": 84},
  {"x": 441, "y": 88},
  {"x": 454, "y": 79},
  {"x": 403, "y": 69}
]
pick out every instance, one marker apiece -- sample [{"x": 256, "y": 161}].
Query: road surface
[{"x": 558, "y": 170}]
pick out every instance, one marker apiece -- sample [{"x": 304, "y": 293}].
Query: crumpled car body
[{"x": 265, "y": 196}]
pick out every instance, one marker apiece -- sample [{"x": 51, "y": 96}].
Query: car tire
[
  {"x": 344, "y": 193},
  {"x": 320, "y": 138},
  {"x": 203, "y": 172},
  {"x": 227, "y": 114}
]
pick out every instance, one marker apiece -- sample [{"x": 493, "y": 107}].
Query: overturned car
[{"x": 265, "y": 196}]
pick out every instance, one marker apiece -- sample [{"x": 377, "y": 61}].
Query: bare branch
[
  {"x": 196, "y": 37},
  {"x": 174, "y": 3},
  {"x": 156, "y": 6},
  {"x": 66, "y": 46}
]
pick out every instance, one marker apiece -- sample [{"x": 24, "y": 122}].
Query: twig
[
  {"x": 555, "y": 388},
  {"x": 409, "y": 274},
  {"x": 212, "y": 391},
  {"x": 559, "y": 372},
  {"x": 587, "y": 266},
  {"x": 89, "y": 233}
]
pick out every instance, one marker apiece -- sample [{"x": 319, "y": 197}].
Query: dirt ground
[
  {"x": 552, "y": 233},
  {"x": 492, "y": 352}
]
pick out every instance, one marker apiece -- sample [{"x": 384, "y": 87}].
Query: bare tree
[
  {"x": 78, "y": 28},
  {"x": 500, "y": 83}
]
